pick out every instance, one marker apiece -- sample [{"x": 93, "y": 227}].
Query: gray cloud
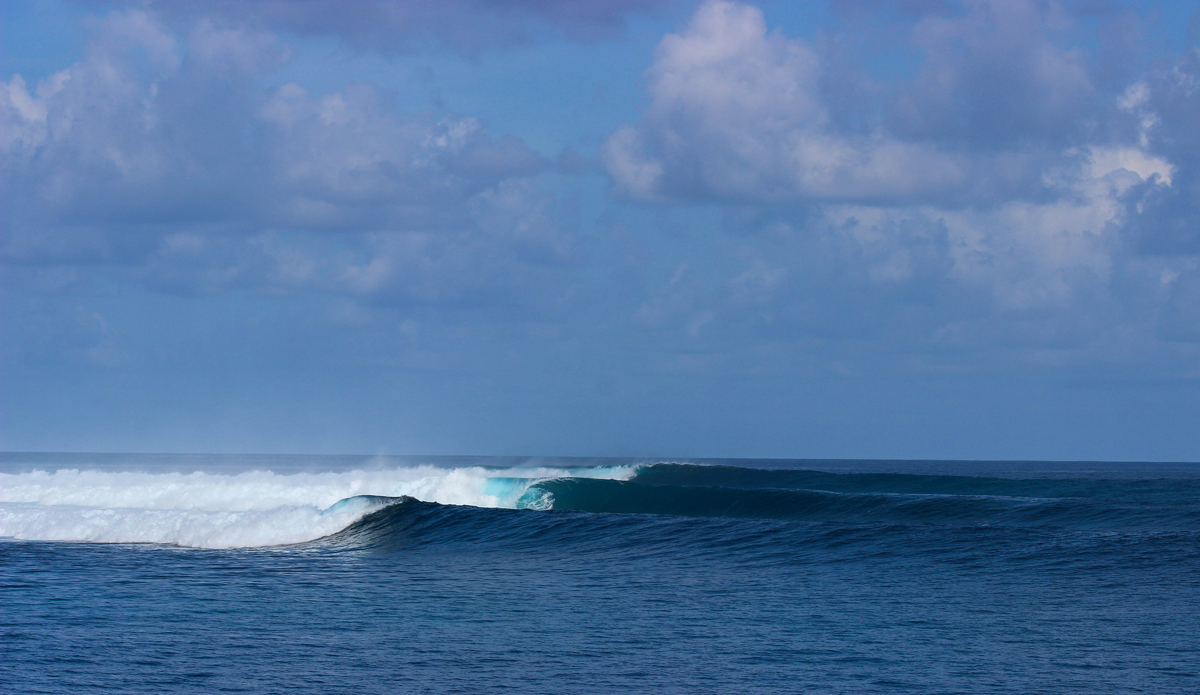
[
  {"x": 996, "y": 76},
  {"x": 1164, "y": 106},
  {"x": 395, "y": 26}
]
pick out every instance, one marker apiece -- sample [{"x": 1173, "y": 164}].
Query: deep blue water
[{"x": 729, "y": 577}]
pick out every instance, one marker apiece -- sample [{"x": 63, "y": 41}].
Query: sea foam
[{"x": 250, "y": 509}]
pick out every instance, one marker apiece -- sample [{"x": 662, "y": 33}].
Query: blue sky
[{"x": 642, "y": 227}]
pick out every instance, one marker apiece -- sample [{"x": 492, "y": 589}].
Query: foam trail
[
  {"x": 200, "y": 529},
  {"x": 256, "y": 508}
]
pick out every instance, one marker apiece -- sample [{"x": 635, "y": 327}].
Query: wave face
[
  {"x": 247, "y": 509},
  {"x": 400, "y": 505},
  {"x": 733, "y": 492}
]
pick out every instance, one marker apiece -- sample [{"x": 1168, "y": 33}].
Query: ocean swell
[
  {"x": 635, "y": 497},
  {"x": 373, "y": 507}
]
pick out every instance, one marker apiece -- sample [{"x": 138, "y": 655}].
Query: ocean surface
[{"x": 349, "y": 574}]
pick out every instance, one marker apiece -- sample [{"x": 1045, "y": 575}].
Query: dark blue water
[{"x": 862, "y": 577}]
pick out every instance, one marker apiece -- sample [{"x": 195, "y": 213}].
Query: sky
[{"x": 855, "y": 229}]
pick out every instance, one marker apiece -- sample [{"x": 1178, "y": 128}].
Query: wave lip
[{"x": 250, "y": 509}]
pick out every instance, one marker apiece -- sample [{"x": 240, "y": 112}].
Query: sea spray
[{"x": 252, "y": 508}]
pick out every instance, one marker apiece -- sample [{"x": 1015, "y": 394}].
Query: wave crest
[{"x": 254, "y": 508}]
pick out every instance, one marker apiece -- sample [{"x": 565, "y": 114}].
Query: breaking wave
[
  {"x": 254, "y": 508},
  {"x": 421, "y": 504}
]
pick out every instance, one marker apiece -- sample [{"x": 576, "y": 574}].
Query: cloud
[
  {"x": 1163, "y": 108},
  {"x": 396, "y": 26},
  {"x": 855, "y": 212},
  {"x": 346, "y": 160},
  {"x": 742, "y": 114},
  {"x": 995, "y": 76},
  {"x": 161, "y": 160},
  {"x": 996, "y": 194}
]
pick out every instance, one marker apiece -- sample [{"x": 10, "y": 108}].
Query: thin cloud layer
[{"x": 399, "y": 26}]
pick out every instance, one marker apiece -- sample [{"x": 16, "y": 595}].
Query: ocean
[{"x": 348, "y": 574}]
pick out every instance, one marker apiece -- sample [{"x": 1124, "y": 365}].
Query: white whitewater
[{"x": 250, "y": 509}]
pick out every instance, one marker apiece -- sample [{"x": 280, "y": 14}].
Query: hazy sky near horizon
[{"x": 924, "y": 229}]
